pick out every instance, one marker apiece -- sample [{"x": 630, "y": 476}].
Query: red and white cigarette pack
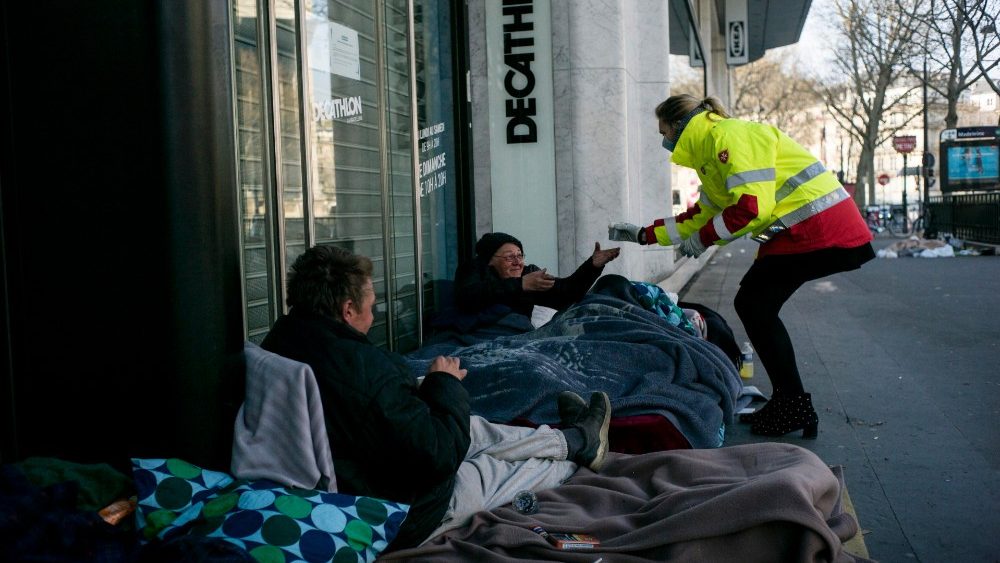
[{"x": 566, "y": 540}]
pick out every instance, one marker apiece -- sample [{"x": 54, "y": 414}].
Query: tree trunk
[
  {"x": 866, "y": 165},
  {"x": 951, "y": 118},
  {"x": 865, "y": 191}
]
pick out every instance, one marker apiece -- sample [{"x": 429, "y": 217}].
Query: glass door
[
  {"x": 346, "y": 129},
  {"x": 438, "y": 52},
  {"x": 328, "y": 153},
  {"x": 254, "y": 172}
]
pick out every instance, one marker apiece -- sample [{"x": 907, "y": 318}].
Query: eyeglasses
[{"x": 511, "y": 258}]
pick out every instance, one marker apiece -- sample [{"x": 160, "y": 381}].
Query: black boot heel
[
  {"x": 810, "y": 431},
  {"x": 787, "y": 414}
]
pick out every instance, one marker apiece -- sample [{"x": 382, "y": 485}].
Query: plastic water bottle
[
  {"x": 746, "y": 352},
  {"x": 525, "y": 502}
]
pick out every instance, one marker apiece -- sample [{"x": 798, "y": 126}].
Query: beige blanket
[{"x": 763, "y": 502}]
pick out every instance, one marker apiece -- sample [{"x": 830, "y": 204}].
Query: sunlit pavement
[{"x": 903, "y": 362}]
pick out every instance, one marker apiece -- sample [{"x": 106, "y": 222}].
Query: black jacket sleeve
[
  {"x": 569, "y": 290},
  {"x": 390, "y": 438},
  {"x": 429, "y": 424},
  {"x": 477, "y": 288}
]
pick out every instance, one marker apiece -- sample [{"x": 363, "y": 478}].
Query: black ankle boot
[
  {"x": 787, "y": 414},
  {"x": 751, "y": 417}
]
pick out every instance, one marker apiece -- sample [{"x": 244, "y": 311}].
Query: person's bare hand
[
  {"x": 449, "y": 365},
  {"x": 602, "y": 257},
  {"x": 537, "y": 281}
]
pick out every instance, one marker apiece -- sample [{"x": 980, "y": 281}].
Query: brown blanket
[{"x": 758, "y": 502}]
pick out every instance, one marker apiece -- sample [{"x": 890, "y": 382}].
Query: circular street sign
[
  {"x": 904, "y": 143},
  {"x": 883, "y": 179}
]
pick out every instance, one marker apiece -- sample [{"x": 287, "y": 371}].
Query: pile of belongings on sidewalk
[{"x": 917, "y": 247}]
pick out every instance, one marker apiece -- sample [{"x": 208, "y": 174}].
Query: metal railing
[{"x": 971, "y": 217}]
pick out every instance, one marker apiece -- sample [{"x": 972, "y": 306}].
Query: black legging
[{"x": 766, "y": 287}]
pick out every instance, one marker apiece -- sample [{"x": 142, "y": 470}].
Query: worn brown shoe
[
  {"x": 571, "y": 408},
  {"x": 593, "y": 424}
]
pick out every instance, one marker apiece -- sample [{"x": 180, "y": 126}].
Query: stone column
[{"x": 610, "y": 69}]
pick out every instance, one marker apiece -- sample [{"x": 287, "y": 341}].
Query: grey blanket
[
  {"x": 280, "y": 432},
  {"x": 754, "y": 503},
  {"x": 602, "y": 343}
]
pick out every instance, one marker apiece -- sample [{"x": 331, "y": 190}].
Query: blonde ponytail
[{"x": 674, "y": 108}]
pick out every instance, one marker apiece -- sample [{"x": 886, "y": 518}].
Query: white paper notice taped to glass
[{"x": 345, "y": 55}]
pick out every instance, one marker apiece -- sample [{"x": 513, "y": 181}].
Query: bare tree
[
  {"x": 684, "y": 78},
  {"x": 986, "y": 39},
  {"x": 876, "y": 46},
  {"x": 770, "y": 91},
  {"x": 956, "y": 56}
]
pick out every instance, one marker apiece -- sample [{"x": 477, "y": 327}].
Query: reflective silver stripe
[
  {"x": 802, "y": 213},
  {"x": 707, "y": 203},
  {"x": 737, "y": 180},
  {"x": 671, "y": 226},
  {"x": 810, "y": 172},
  {"x": 720, "y": 228},
  {"x": 813, "y": 207}
]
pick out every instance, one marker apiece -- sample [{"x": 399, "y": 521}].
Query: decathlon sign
[
  {"x": 737, "y": 47},
  {"x": 519, "y": 50},
  {"x": 521, "y": 130}
]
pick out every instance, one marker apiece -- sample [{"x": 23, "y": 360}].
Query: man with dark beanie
[{"x": 499, "y": 275}]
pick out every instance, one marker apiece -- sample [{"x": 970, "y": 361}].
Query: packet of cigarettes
[
  {"x": 118, "y": 510},
  {"x": 566, "y": 540}
]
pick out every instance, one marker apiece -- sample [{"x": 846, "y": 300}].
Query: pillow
[{"x": 271, "y": 522}]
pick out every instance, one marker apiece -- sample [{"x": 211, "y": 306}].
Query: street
[{"x": 903, "y": 362}]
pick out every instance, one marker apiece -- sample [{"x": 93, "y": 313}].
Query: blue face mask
[{"x": 671, "y": 144}]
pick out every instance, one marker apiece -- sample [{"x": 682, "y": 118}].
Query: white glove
[
  {"x": 624, "y": 231},
  {"x": 692, "y": 246}
]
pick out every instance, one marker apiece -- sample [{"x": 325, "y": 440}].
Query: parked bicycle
[{"x": 918, "y": 226}]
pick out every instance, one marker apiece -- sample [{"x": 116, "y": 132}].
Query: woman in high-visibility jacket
[{"x": 757, "y": 181}]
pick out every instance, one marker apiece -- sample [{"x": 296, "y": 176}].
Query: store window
[
  {"x": 687, "y": 61},
  {"x": 328, "y": 130},
  {"x": 346, "y": 136},
  {"x": 439, "y": 49},
  {"x": 253, "y": 172}
]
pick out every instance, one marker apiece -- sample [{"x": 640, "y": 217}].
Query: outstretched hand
[
  {"x": 537, "y": 281},
  {"x": 624, "y": 232},
  {"x": 449, "y": 365},
  {"x": 601, "y": 257},
  {"x": 692, "y": 246}
]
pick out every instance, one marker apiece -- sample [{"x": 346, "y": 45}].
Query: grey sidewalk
[{"x": 903, "y": 361}]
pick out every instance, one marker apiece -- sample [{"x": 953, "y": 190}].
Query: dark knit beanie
[{"x": 491, "y": 242}]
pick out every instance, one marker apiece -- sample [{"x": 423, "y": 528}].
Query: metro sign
[
  {"x": 904, "y": 143},
  {"x": 737, "y": 40}
]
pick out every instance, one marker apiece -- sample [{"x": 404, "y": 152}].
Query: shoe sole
[{"x": 602, "y": 450}]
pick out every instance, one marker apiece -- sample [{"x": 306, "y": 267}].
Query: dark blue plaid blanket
[{"x": 602, "y": 343}]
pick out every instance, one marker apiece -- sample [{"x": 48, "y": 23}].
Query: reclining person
[
  {"x": 499, "y": 275},
  {"x": 416, "y": 444}
]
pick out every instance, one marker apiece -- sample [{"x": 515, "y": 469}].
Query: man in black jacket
[
  {"x": 499, "y": 275},
  {"x": 413, "y": 443}
]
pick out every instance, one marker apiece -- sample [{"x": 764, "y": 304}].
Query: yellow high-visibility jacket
[{"x": 755, "y": 179}]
